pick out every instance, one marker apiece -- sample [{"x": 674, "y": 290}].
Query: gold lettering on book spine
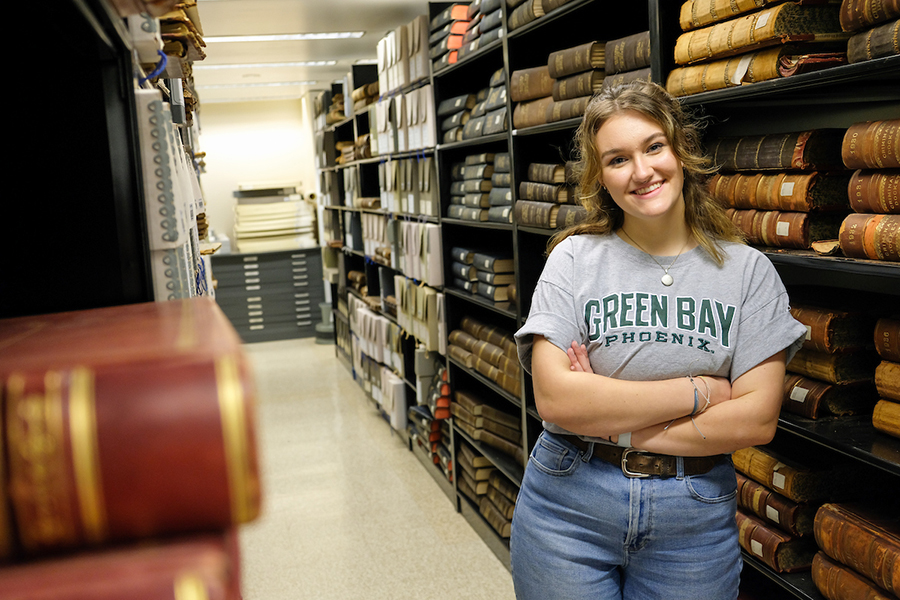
[
  {"x": 241, "y": 480},
  {"x": 86, "y": 454}
]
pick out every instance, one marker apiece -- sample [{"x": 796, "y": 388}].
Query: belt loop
[
  {"x": 679, "y": 467},
  {"x": 589, "y": 453}
]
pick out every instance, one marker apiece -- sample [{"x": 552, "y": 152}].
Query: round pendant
[{"x": 667, "y": 280}]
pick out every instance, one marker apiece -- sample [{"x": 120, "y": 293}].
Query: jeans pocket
[
  {"x": 553, "y": 458},
  {"x": 719, "y": 484}
]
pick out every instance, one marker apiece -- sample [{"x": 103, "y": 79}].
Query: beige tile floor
[{"x": 348, "y": 511}]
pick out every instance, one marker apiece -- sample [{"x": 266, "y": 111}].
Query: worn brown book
[
  {"x": 525, "y": 13},
  {"x": 874, "y": 191},
  {"x": 753, "y": 67},
  {"x": 494, "y": 263},
  {"x": 461, "y": 355},
  {"x": 863, "y": 537},
  {"x": 452, "y": 135},
  {"x": 863, "y": 14},
  {"x": 812, "y": 398},
  {"x": 875, "y": 237},
  {"x": 628, "y": 53},
  {"x": 478, "y": 171},
  {"x": 567, "y": 109},
  {"x": 580, "y": 84},
  {"x": 479, "y": 488},
  {"x": 484, "y": 349},
  {"x": 872, "y": 145},
  {"x": 797, "y": 64},
  {"x": 501, "y": 162},
  {"x": 886, "y": 417},
  {"x": 617, "y": 79},
  {"x": 791, "y": 192},
  {"x": 510, "y": 434},
  {"x": 850, "y": 367},
  {"x": 780, "y": 551},
  {"x": 780, "y": 24},
  {"x": 545, "y": 192},
  {"x": 883, "y": 40},
  {"x": 488, "y": 438},
  {"x": 496, "y": 278},
  {"x": 530, "y": 84},
  {"x": 501, "y": 483},
  {"x": 474, "y": 128},
  {"x": 546, "y": 172},
  {"x": 887, "y": 380},
  {"x": 550, "y": 5},
  {"x": 786, "y": 229},
  {"x": 479, "y": 408},
  {"x": 531, "y": 113},
  {"x": 570, "y": 214},
  {"x": 838, "y": 582},
  {"x": 794, "y": 518},
  {"x": 477, "y": 473},
  {"x": 467, "y": 272},
  {"x": 464, "y": 485},
  {"x": 800, "y": 483},
  {"x": 536, "y": 214},
  {"x": 469, "y": 213},
  {"x": 456, "y": 104},
  {"x": 500, "y": 196},
  {"x": 814, "y": 150},
  {"x": 887, "y": 339},
  {"x": 474, "y": 458},
  {"x": 503, "y": 504},
  {"x": 492, "y": 334},
  {"x": 492, "y": 515},
  {"x": 102, "y": 405},
  {"x": 496, "y": 121},
  {"x": 698, "y": 13},
  {"x": 830, "y": 330},
  {"x": 461, "y": 413},
  {"x": 577, "y": 59},
  {"x": 503, "y": 180}
]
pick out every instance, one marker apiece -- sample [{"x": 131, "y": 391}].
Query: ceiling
[{"x": 256, "y": 17}]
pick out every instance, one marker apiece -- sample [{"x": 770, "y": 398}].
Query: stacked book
[
  {"x": 488, "y": 425},
  {"x": 785, "y": 189},
  {"x": 546, "y": 199},
  {"x": 886, "y": 417},
  {"x": 335, "y": 112},
  {"x": 875, "y": 28},
  {"x": 487, "y": 274},
  {"x": 484, "y": 28},
  {"x": 873, "y": 230},
  {"x": 832, "y": 374},
  {"x": 445, "y": 456},
  {"x": 470, "y": 187},
  {"x": 473, "y": 472},
  {"x": 500, "y": 197},
  {"x": 363, "y": 96},
  {"x": 499, "y": 503},
  {"x": 424, "y": 432},
  {"x": 531, "y": 90},
  {"x": 487, "y": 350},
  {"x": 447, "y": 30},
  {"x": 859, "y": 553},
  {"x": 731, "y": 44},
  {"x": 523, "y": 12},
  {"x": 489, "y": 114},
  {"x": 453, "y": 114},
  {"x": 277, "y": 225},
  {"x": 627, "y": 59}
]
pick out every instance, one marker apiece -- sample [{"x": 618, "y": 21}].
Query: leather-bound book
[
  {"x": 496, "y": 278},
  {"x": 492, "y": 334},
  {"x": 628, "y": 53},
  {"x": 502, "y": 484},
  {"x": 850, "y": 367},
  {"x": 462, "y": 255},
  {"x": 545, "y": 192},
  {"x": 797, "y": 64},
  {"x": 617, "y": 79},
  {"x": 463, "y": 483},
  {"x": 474, "y": 458},
  {"x": 508, "y": 433},
  {"x": 873, "y": 191},
  {"x": 791, "y": 517},
  {"x": 584, "y": 57},
  {"x": 456, "y": 120},
  {"x": 456, "y": 104},
  {"x": 781, "y": 552},
  {"x": 500, "y": 214},
  {"x": 886, "y": 418},
  {"x": 698, "y": 13},
  {"x": 864, "y": 538},
  {"x": 812, "y": 398},
  {"x": 199, "y": 566},
  {"x": 883, "y": 40},
  {"x": 494, "y": 263},
  {"x": 492, "y": 20},
  {"x": 872, "y": 145},
  {"x": 454, "y": 27},
  {"x": 550, "y": 5},
  {"x": 830, "y": 330},
  {"x": 568, "y": 109},
  {"x": 452, "y": 135},
  {"x": 570, "y": 214},
  {"x": 476, "y": 200},
  {"x": 127, "y": 422},
  {"x": 887, "y": 380},
  {"x": 838, "y": 582},
  {"x": 454, "y": 12},
  {"x": 500, "y": 196},
  {"x": 496, "y": 121},
  {"x": 798, "y": 482},
  {"x": 484, "y": 349},
  {"x": 536, "y": 214},
  {"x": 473, "y": 214},
  {"x": 546, "y": 172},
  {"x": 751, "y": 67},
  {"x": 501, "y": 162},
  {"x": 478, "y": 171},
  {"x": 863, "y": 14},
  {"x": 501, "y": 525},
  {"x": 790, "y": 192},
  {"x": 460, "y": 354},
  {"x": 472, "y": 186},
  {"x": 530, "y": 84},
  {"x": 503, "y": 180},
  {"x": 874, "y": 237},
  {"x": 531, "y": 113},
  {"x": 786, "y": 229},
  {"x": 779, "y": 24},
  {"x": 887, "y": 339},
  {"x": 503, "y": 504},
  {"x": 462, "y": 271},
  {"x": 525, "y": 13},
  {"x": 580, "y": 84},
  {"x": 501, "y": 444},
  {"x": 814, "y": 150},
  {"x": 479, "y": 408}
]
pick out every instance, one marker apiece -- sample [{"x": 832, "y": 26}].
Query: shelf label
[
  {"x": 756, "y": 548},
  {"x": 772, "y": 514},
  {"x": 787, "y": 188},
  {"x": 783, "y": 228},
  {"x": 798, "y": 394}
]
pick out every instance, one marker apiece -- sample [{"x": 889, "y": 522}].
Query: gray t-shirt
[{"x": 601, "y": 291}]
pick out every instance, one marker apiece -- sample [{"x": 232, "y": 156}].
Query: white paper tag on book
[
  {"x": 763, "y": 19},
  {"x": 783, "y": 228},
  {"x": 756, "y": 548},
  {"x": 787, "y": 188},
  {"x": 772, "y": 514},
  {"x": 809, "y": 332},
  {"x": 798, "y": 394},
  {"x": 778, "y": 479},
  {"x": 741, "y": 70}
]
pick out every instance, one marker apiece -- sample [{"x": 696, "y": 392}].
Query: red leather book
[
  {"x": 126, "y": 422},
  {"x": 201, "y": 566}
]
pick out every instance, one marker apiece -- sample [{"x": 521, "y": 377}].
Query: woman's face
[{"x": 639, "y": 168}]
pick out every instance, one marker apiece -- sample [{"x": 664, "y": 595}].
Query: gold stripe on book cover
[
  {"x": 86, "y": 454},
  {"x": 237, "y": 444}
]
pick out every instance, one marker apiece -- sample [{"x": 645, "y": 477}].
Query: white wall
[{"x": 249, "y": 142}]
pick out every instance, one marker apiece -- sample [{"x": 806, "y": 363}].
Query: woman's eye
[{"x": 656, "y": 146}]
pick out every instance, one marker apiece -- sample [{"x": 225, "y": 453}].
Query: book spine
[
  {"x": 887, "y": 380},
  {"x": 887, "y": 339},
  {"x": 570, "y": 214},
  {"x": 535, "y": 214},
  {"x": 875, "y": 191},
  {"x": 576, "y": 86},
  {"x": 875, "y": 237},
  {"x": 567, "y": 109},
  {"x": 839, "y": 368},
  {"x": 492, "y": 515},
  {"x": 544, "y": 172},
  {"x": 626, "y": 77},
  {"x": 628, "y": 53},
  {"x": 862, "y": 14},
  {"x": 802, "y": 395},
  {"x": 524, "y": 14},
  {"x": 791, "y": 192},
  {"x": 725, "y": 73},
  {"x": 502, "y": 503},
  {"x": 501, "y": 162},
  {"x": 530, "y": 84},
  {"x": 759, "y": 540},
  {"x": 837, "y": 582},
  {"x": 576, "y": 60},
  {"x": 798, "y": 151},
  {"x": 539, "y": 192},
  {"x": 461, "y": 355},
  {"x": 775, "y": 228},
  {"x": 877, "y": 42},
  {"x": 773, "y": 508},
  {"x": 872, "y": 145},
  {"x": 886, "y": 417},
  {"x": 531, "y": 113},
  {"x": 697, "y": 13},
  {"x": 503, "y": 180}
]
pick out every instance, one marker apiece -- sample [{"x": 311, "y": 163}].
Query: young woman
[{"x": 657, "y": 343}]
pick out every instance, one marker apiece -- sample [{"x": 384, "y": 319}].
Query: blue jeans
[{"x": 582, "y": 529}]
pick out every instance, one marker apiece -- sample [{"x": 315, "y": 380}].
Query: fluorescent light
[
  {"x": 304, "y": 63},
  {"x": 366, "y": 61},
  {"x": 246, "y": 85},
  {"x": 204, "y": 101},
  {"x": 287, "y": 37}
]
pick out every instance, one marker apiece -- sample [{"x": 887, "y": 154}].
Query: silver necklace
[{"x": 666, "y": 279}]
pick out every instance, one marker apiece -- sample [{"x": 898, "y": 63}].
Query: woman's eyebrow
[{"x": 646, "y": 140}]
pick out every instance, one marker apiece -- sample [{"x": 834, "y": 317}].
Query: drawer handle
[
  {"x": 251, "y": 273},
  {"x": 253, "y": 288},
  {"x": 303, "y": 323},
  {"x": 252, "y": 280},
  {"x": 256, "y": 320},
  {"x": 305, "y": 295},
  {"x": 255, "y": 313},
  {"x": 251, "y": 258},
  {"x": 255, "y": 327},
  {"x": 254, "y": 307},
  {"x": 254, "y": 299}
]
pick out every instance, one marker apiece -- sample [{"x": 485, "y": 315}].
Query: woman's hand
[{"x": 578, "y": 358}]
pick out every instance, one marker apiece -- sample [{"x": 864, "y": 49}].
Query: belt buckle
[{"x": 625, "y": 470}]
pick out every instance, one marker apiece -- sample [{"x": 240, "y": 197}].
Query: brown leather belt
[{"x": 635, "y": 463}]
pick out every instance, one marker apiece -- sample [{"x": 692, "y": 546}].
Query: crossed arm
[{"x": 741, "y": 414}]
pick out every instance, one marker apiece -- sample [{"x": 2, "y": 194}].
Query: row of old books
[
  {"x": 562, "y": 88},
  {"x": 795, "y": 518},
  {"x": 547, "y": 199},
  {"x": 488, "y": 425},
  {"x": 364, "y": 95},
  {"x": 794, "y": 190},
  {"x": 886, "y": 417},
  {"x": 485, "y": 26},
  {"x": 488, "y": 489},
  {"x": 472, "y": 195},
  {"x": 446, "y": 34},
  {"x": 488, "y": 274},
  {"x": 523, "y": 12},
  {"x": 129, "y": 449},
  {"x": 488, "y": 350},
  {"x": 470, "y": 116},
  {"x": 729, "y": 44}
]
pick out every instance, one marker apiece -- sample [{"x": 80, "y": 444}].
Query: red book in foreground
[{"x": 125, "y": 422}]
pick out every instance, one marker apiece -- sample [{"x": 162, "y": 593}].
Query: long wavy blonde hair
[{"x": 705, "y": 217}]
